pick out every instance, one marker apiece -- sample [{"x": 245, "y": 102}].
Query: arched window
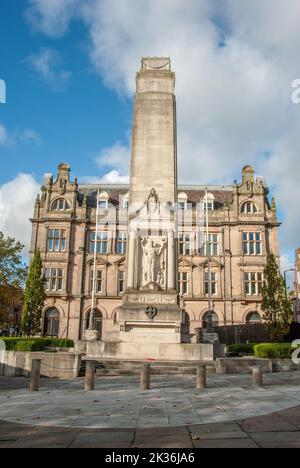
[
  {"x": 61, "y": 204},
  {"x": 215, "y": 319},
  {"x": 51, "y": 323},
  {"x": 253, "y": 317},
  {"x": 98, "y": 320},
  {"x": 249, "y": 208}
]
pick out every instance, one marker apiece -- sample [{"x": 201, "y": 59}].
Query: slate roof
[{"x": 195, "y": 193}]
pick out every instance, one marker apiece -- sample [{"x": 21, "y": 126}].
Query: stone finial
[
  {"x": 273, "y": 205},
  {"x": 248, "y": 173},
  {"x": 48, "y": 180},
  {"x": 64, "y": 170},
  {"x": 37, "y": 201}
]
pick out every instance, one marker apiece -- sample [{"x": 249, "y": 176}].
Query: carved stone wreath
[{"x": 151, "y": 312}]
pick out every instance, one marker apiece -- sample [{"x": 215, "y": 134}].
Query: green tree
[
  {"x": 12, "y": 277},
  {"x": 12, "y": 269},
  {"x": 278, "y": 312},
  {"x": 34, "y": 298}
]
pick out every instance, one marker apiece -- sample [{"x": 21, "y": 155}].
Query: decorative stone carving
[
  {"x": 153, "y": 202},
  {"x": 153, "y": 262},
  {"x": 151, "y": 312},
  {"x": 153, "y": 299},
  {"x": 156, "y": 63}
]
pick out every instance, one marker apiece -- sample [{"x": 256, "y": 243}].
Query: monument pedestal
[
  {"x": 155, "y": 351},
  {"x": 148, "y": 316}
]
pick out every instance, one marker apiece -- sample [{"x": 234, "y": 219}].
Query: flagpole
[
  {"x": 209, "y": 315},
  {"x": 93, "y": 311}
]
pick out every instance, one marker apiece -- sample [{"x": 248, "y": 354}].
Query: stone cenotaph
[{"x": 151, "y": 320}]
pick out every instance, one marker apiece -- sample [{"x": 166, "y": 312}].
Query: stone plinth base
[
  {"x": 155, "y": 351},
  {"x": 91, "y": 335},
  {"x": 150, "y": 317}
]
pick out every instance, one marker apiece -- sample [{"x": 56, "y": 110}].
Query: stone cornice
[{"x": 212, "y": 223}]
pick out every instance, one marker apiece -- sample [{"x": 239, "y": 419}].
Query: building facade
[{"x": 243, "y": 230}]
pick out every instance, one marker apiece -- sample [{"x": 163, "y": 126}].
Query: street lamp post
[
  {"x": 93, "y": 311},
  {"x": 285, "y": 281},
  {"x": 209, "y": 316}
]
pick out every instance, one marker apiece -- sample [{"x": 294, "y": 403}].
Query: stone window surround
[
  {"x": 254, "y": 208},
  {"x": 60, "y": 238},
  {"x": 257, "y": 281},
  {"x": 67, "y": 204},
  {"x": 214, "y": 283},
  {"x": 262, "y": 243},
  {"x": 121, "y": 270},
  {"x": 102, "y": 279},
  {"x": 100, "y": 242},
  {"x": 181, "y": 281},
  {"x": 55, "y": 278},
  {"x": 121, "y": 240},
  {"x": 218, "y": 272}
]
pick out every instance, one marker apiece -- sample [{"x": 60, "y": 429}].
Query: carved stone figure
[{"x": 152, "y": 261}]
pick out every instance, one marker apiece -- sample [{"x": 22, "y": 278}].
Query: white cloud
[
  {"x": 47, "y": 64},
  {"x": 11, "y": 138},
  {"x": 117, "y": 157},
  {"x": 29, "y": 136},
  {"x": 51, "y": 16},
  {"x": 17, "y": 199},
  {"x": 115, "y": 161},
  {"x": 112, "y": 177},
  {"x": 234, "y": 67}
]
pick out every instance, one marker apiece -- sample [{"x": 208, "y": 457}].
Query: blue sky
[
  {"x": 70, "y": 66},
  {"x": 73, "y": 122}
]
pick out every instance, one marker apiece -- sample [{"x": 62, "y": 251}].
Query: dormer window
[
  {"x": 61, "y": 204},
  {"x": 125, "y": 202},
  {"x": 103, "y": 201},
  {"x": 103, "y": 204},
  {"x": 182, "y": 201},
  {"x": 209, "y": 202},
  {"x": 249, "y": 208}
]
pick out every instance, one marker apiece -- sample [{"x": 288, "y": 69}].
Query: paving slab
[
  {"x": 226, "y": 444},
  {"x": 172, "y": 415}
]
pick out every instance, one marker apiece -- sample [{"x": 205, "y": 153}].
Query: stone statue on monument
[{"x": 152, "y": 251}]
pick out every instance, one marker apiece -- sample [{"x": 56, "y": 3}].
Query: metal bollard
[
  {"x": 35, "y": 378},
  {"x": 201, "y": 377},
  {"x": 257, "y": 376},
  {"x": 145, "y": 377},
  {"x": 89, "y": 384}
]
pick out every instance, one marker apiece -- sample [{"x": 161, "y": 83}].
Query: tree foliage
[
  {"x": 12, "y": 277},
  {"x": 12, "y": 269},
  {"x": 34, "y": 298},
  {"x": 277, "y": 309}
]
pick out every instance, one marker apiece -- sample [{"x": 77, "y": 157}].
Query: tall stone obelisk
[{"x": 150, "y": 312}]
